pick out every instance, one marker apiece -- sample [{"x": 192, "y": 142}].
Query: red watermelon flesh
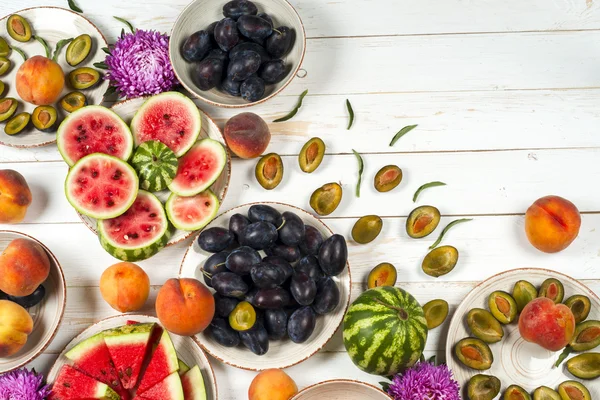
[
  {"x": 72, "y": 384},
  {"x": 169, "y": 388},
  {"x": 193, "y": 384},
  {"x": 128, "y": 347},
  {"x": 163, "y": 363}
]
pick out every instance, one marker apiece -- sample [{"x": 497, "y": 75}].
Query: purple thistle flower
[
  {"x": 139, "y": 65},
  {"x": 23, "y": 384},
  {"x": 425, "y": 381}
]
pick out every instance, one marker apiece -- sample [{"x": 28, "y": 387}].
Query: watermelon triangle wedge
[
  {"x": 168, "y": 389},
  {"x": 72, "y": 384},
  {"x": 128, "y": 347},
  {"x": 163, "y": 363},
  {"x": 193, "y": 385}
]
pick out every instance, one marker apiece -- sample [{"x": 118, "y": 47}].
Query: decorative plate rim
[{"x": 352, "y": 381}]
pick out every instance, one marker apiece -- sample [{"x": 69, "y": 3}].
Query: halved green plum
[
  {"x": 84, "y": 78},
  {"x": 311, "y": 155},
  {"x": 515, "y": 392},
  {"x": 4, "y": 47},
  {"x": 573, "y": 390},
  {"x": 545, "y": 393},
  {"x": 483, "y": 387},
  {"x": 502, "y": 306},
  {"x": 553, "y": 289},
  {"x": 483, "y": 325},
  {"x": 580, "y": 306},
  {"x": 474, "y": 353},
  {"x": 45, "y": 118},
  {"x": 73, "y": 101},
  {"x": 8, "y": 106},
  {"x": 586, "y": 337},
  {"x": 17, "y": 124},
  {"x": 78, "y": 49},
  {"x": 4, "y": 65},
  {"x": 18, "y": 28},
  {"x": 523, "y": 292}
]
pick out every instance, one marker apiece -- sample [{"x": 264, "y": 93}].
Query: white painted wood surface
[{"x": 507, "y": 98}]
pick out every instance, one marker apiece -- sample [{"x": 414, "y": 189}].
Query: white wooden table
[{"x": 507, "y": 98}]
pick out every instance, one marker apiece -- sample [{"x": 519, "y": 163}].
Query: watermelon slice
[
  {"x": 169, "y": 388},
  {"x": 93, "y": 129},
  {"x": 163, "y": 363},
  {"x": 183, "y": 367},
  {"x": 141, "y": 232},
  {"x": 127, "y": 346},
  {"x": 170, "y": 118},
  {"x": 72, "y": 384},
  {"x": 101, "y": 186},
  {"x": 192, "y": 213},
  {"x": 199, "y": 168},
  {"x": 193, "y": 385}
]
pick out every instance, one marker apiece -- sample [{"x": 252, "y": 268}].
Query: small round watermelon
[
  {"x": 385, "y": 331},
  {"x": 170, "y": 118},
  {"x": 199, "y": 168},
  {"x": 141, "y": 232},
  {"x": 155, "y": 164},
  {"x": 194, "y": 212},
  {"x": 101, "y": 186},
  {"x": 93, "y": 129}
]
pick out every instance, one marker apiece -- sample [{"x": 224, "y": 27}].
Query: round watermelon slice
[
  {"x": 192, "y": 213},
  {"x": 101, "y": 186},
  {"x": 199, "y": 168},
  {"x": 93, "y": 129},
  {"x": 139, "y": 233},
  {"x": 170, "y": 118}
]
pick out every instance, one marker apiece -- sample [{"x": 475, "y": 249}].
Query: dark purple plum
[
  {"x": 310, "y": 266},
  {"x": 333, "y": 255},
  {"x": 313, "y": 239},
  {"x": 259, "y": 235},
  {"x": 328, "y": 296},
  {"x": 226, "y": 34},
  {"x": 215, "y": 239},
  {"x": 256, "y": 339},
  {"x": 237, "y": 223},
  {"x": 196, "y": 46},
  {"x": 30, "y": 300},
  {"x": 254, "y": 27},
  {"x": 267, "y": 276},
  {"x": 224, "y": 305},
  {"x": 264, "y": 56},
  {"x": 252, "y": 89},
  {"x": 301, "y": 324},
  {"x": 288, "y": 253},
  {"x": 303, "y": 288},
  {"x": 229, "y": 284},
  {"x": 213, "y": 265},
  {"x": 271, "y": 298},
  {"x": 207, "y": 73},
  {"x": 243, "y": 65},
  {"x": 276, "y": 324},
  {"x": 220, "y": 330},
  {"x": 280, "y": 41},
  {"x": 242, "y": 259},
  {"x": 231, "y": 87},
  {"x": 218, "y": 54},
  {"x": 236, "y": 8},
  {"x": 292, "y": 231},
  {"x": 287, "y": 267},
  {"x": 272, "y": 71},
  {"x": 263, "y": 212},
  {"x": 266, "y": 17}
]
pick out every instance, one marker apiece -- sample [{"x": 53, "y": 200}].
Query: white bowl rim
[{"x": 331, "y": 381}]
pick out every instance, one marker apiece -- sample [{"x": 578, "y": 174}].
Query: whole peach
[
  {"x": 552, "y": 223},
  {"x": 40, "y": 81},
  {"x": 15, "y": 197},
  {"x": 272, "y": 384},
  {"x": 15, "y": 325},
  {"x": 125, "y": 286},
  {"x": 24, "y": 265},
  {"x": 550, "y": 325},
  {"x": 247, "y": 135},
  {"x": 185, "y": 306}
]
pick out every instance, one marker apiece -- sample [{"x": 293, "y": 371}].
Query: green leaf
[
  {"x": 563, "y": 356},
  {"x": 101, "y": 65},
  {"x": 106, "y": 50},
  {"x": 59, "y": 46},
  {"x": 126, "y": 23},
  {"x": 385, "y": 386},
  {"x": 350, "y": 113},
  {"x": 43, "y": 42},
  {"x": 291, "y": 114},
  {"x": 21, "y": 52},
  {"x": 426, "y": 186},
  {"x": 361, "y": 167},
  {"x": 74, "y": 7},
  {"x": 447, "y": 228},
  {"x": 110, "y": 90},
  {"x": 401, "y": 133},
  {"x": 432, "y": 360}
]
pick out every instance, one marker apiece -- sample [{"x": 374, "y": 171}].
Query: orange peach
[
  {"x": 15, "y": 325},
  {"x": 24, "y": 265},
  {"x": 247, "y": 135},
  {"x": 185, "y": 306},
  {"x": 550, "y": 325},
  {"x": 40, "y": 81},
  {"x": 552, "y": 223},
  {"x": 272, "y": 384},
  {"x": 125, "y": 286},
  {"x": 15, "y": 197}
]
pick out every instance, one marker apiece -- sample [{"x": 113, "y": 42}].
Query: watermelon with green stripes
[
  {"x": 385, "y": 331},
  {"x": 156, "y": 165}
]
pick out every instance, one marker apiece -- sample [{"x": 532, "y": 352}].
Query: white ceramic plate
[
  {"x": 47, "y": 315},
  {"x": 126, "y": 110},
  {"x": 51, "y": 24},
  {"x": 284, "y": 353},
  {"x": 515, "y": 360},
  {"x": 201, "y": 13},
  {"x": 341, "y": 389},
  {"x": 187, "y": 350}
]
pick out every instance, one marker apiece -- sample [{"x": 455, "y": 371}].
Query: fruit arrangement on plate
[{"x": 119, "y": 190}]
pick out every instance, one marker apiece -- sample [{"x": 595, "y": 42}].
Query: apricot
[
  {"x": 125, "y": 286},
  {"x": 272, "y": 384},
  {"x": 247, "y": 135},
  {"x": 185, "y": 306},
  {"x": 550, "y": 325},
  {"x": 40, "y": 81},
  {"x": 15, "y": 197},
  {"x": 24, "y": 265},
  {"x": 15, "y": 325},
  {"x": 552, "y": 223}
]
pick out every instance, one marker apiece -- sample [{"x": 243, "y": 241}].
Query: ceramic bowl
[
  {"x": 341, "y": 389},
  {"x": 515, "y": 360},
  {"x": 201, "y": 13},
  {"x": 187, "y": 349},
  {"x": 52, "y": 24},
  {"x": 46, "y": 316},
  {"x": 126, "y": 110},
  {"x": 284, "y": 353}
]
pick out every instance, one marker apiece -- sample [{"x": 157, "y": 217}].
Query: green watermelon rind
[
  {"x": 210, "y": 145},
  {"x": 61, "y": 132},
  {"x": 84, "y": 347},
  {"x": 199, "y": 224},
  {"x": 98, "y": 216},
  {"x": 376, "y": 340},
  {"x": 194, "y": 376},
  {"x": 173, "y": 385},
  {"x": 142, "y": 252},
  {"x": 154, "y": 179},
  {"x": 191, "y": 107},
  {"x": 183, "y": 367}
]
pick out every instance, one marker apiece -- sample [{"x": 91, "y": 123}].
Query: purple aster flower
[
  {"x": 138, "y": 64},
  {"x": 425, "y": 381},
  {"x": 23, "y": 384}
]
